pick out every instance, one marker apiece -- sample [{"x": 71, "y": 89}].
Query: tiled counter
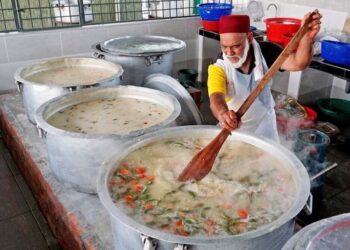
[{"x": 78, "y": 220}]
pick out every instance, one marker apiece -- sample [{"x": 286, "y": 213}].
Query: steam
[{"x": 297, "y": 134}]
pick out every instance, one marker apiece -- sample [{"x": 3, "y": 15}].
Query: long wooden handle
[{"x": 275, "y": 67}]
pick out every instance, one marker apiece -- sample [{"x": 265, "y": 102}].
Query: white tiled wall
[
  {"x": 315, "y": 84},
  {"x": 341, "y": 5},
  {"x": 19, "y": 49}
]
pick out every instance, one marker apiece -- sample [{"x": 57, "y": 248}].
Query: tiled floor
[{"x": 22, "y": 225}]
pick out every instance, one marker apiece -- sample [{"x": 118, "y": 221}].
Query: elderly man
[{"x": 242, "y": 64}]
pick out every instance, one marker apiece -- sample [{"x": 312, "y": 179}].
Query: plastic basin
[
  {"x": 334, "y": 110},
  {"x": 211, "y": 25},
  {"x": 213, "y": 11},
  {"x": 286, "y": 39},
  {"x": 278, "y": 26},
  {"x": 336, "y": 52}
]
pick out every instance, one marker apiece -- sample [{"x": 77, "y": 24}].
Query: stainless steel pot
[
  {"x": 75, "y": 158},
  {"x": 327, "y": 234},
  {"x": 129, "y": 234},
  {"x": 136, "y": 58},
  {"x": 36, "y": 93}
]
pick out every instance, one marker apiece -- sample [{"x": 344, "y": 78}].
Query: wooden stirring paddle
[{"x": 203, "y": 161}]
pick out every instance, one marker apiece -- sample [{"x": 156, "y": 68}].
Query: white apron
[{"x": 260, "y": 118}]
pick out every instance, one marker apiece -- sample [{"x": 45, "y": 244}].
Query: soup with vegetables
[
  {"x": 247, "y": 188},
  {"x": 110, "y": 116}
]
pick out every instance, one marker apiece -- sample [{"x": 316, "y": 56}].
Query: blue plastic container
[
  {"x": 213, "y": 11},
  {"x": 336, "y": 52}
]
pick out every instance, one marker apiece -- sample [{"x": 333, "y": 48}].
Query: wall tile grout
[{"x": 6, "y": 50}]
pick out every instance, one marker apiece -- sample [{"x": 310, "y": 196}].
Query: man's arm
[
  {"x": 303, "y": 55},
  {"x": 217, "y": 90},
  {"x": 227, "y": 118}
]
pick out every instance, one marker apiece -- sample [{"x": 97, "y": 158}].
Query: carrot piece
[
  {"x": 243, "y": 213},
  {"x": 150, "y": 177},
  {"x": 148, "y": 206},
  {"x": 178, "y": 223},
  {"x": 142, "y": 176},
  {"x": 137, "y": 188},
  {"x": 140, "y": 170},
  {"x": 124, "y": 171},
  {"x": 128, "y": 198},
  {"x": 134, "y": 182}
]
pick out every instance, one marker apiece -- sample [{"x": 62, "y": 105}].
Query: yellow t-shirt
[{"x": 217, "y": 82}]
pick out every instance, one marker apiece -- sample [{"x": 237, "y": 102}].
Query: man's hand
[
  {"x": 314, "y": 26},
  {"x": 229, "y": 120}
]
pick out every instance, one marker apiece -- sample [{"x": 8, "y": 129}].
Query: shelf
[
  {"x": 316, "y": 63},
  {"x": 336, "y": 70}
]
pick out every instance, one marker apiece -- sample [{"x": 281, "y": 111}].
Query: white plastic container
[{"x": 67, "y": 11}]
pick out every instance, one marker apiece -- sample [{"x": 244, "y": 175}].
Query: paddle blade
[
  {"x": 198, "y": 167},
  {"x": 203, "y": 161}
]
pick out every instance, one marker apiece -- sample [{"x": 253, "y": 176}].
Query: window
[{"x": 25, "y": 15}]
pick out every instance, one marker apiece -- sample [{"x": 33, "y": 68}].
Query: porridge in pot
[
  {"x": 246, "y": 189},
  {"x": 110, "y": 116},
  {"x": 66, "y": 76}
]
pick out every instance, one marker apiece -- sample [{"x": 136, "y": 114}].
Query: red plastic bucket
[
  {"x": 286, "y": 39},
  {"x": 278, "y": 26},
  {"x": 211, "y": 25}
]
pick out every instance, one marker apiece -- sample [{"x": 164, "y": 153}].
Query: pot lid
[
  {"x": 140, "y": 45},
  {"x": 335, "y": 235},
  {"x": 69, "y": 72},
  {"x": 190, "y": 114},
  {"x": 328, "y": 234}
]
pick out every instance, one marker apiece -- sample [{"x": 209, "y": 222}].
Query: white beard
[{"x": 241, "y": 60}]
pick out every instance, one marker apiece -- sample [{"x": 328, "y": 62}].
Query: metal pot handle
[
  {"x": 334, "y": 165},
  {"x": 42, "y": 133},
  {"x": 98, "y": 55},
  {"x": 149, "y": 60},
  {"x": 152, "y": 244},
  {"x": 182, "y": 247},
  {"x": 19, "y": 87},
  {"x": 309, "y": 205},
  {"x": 148, "y": 243}
]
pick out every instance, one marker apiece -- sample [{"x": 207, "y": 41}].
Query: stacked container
[{"x": 211, "y": 13}]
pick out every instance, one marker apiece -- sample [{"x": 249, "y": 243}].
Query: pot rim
[
  {"x": 300, "y": 201},
  {"x": 182, "y": 45},
  {"x": 89, "y": 95},
  {"x": 18, "y": 77}
]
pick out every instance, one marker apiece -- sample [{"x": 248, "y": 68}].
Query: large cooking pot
[
  {"x": 327, "y": 234},
  {"x": 75, "y": 157},
  {"x": 140, "y": 56},
  {"x": 42, "y": 81},
  {"x": 130, "y": 234}
]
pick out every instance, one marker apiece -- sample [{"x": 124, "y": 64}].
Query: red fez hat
[{"x": 234, "y": 24}]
